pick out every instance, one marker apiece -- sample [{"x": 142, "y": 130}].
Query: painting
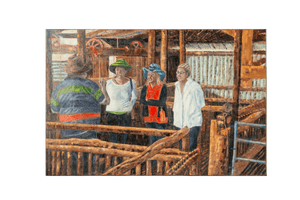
[{"x": 144, "y": 102}]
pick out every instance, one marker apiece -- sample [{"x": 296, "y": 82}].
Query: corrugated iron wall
[
  {"x": 218, "y": 70},
  {"x": 57, "y": 71}
]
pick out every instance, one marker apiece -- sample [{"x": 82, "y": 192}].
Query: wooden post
[
  {"x": 186, "y": 143},
  {"x": 246, "y": 57},
  {"x": 63, "y": 166},
  {"x": 151, "y": 47},
  {"x": 107, "y": 162},
  {"x": 69, "y": 163},
  {"x": 220, "y": 156},
  {"x": 81, "y": 44},
  {"x": 212, "y": 145},
  {"x": 164, "y": 52},
  {"x": 90, "y": 164},
  {"x": 53, "y": 162},
  {"x": 148, "y": 167},
  {"x": 159, "y": 167},
  {"x": 236, "y": 87},
  {"x": 167, "y": 167},
  {"x": 80, "y": 164},
  {"x": 49, "y": 84},
  {"x": 182, "y": 47},
  {"x": 138, "y": 170},
  {"x": 237, "y": 67},
  {"x": 97, "y": 164},
  {"x": 57, "y": 162},
  {"x": 103, "y": 65}
]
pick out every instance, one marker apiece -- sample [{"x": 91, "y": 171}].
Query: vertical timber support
[
  {"x": 164, "y": 52},
  {"x": 247, "y": 52},
  {"x": 212, "y": 146},
  {"x": 236, "y": 87},
  {"x": 81, "y": 44},
  {"x": 151, "y": 47},
  {"x": 182, "y": 51},
  {"x": 49, "y": 84}
]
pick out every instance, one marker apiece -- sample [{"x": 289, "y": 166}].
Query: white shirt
[
  {"x": 120, "y": 96},
  {"x": 187, "y": 106}
]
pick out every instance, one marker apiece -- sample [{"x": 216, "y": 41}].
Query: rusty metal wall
[{"x": 213, "y": 69}]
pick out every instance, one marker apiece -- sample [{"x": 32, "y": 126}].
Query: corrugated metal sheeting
[
  {"x": 58, "y": 72},
  {"x": 218, "y": 70}
]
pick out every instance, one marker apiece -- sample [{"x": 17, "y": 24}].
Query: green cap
[{"x": 119, "y": 63}]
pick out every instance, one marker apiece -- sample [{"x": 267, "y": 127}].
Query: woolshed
[{"x": 230, "y": 67}]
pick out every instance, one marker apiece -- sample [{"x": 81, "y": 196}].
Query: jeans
[
  {"x": 155, "y": 138},
  {"x": 118, "y": 120},
  {"x": 194, "y": 131},
  {"x": 157, "y": 126}
]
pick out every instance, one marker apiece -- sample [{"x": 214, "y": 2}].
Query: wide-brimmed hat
[
  {"x": 76, "y": 66},
  {"x": 119, "y": 63},
  {"x": 154, "y": 68}
]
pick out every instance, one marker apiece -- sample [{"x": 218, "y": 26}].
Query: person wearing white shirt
[
  {"x": 188, "y": 101},
  {"x": 122, "y": 94}
]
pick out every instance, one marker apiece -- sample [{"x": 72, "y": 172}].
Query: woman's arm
[
  {"x": 133, "y": 94},
  {"x": 143, "y": 96},
  {"x": 106, "y": 100}
]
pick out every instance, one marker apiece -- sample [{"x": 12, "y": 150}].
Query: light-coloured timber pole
[
  {"x": 247, "y": 51},
  {"x": 164, "y": 52},
  {"x": 151, "y": 47},
  {"x": 182, "y": 47},
  {"x": 236, "y": 87},
  {"x": 81, "y": 44},
  {"x": 212, "y": 146},
  {"x": 50, "y": 117}
]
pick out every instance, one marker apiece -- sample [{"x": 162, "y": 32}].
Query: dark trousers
[
  {"x": 157, "y": 126},
  {"x": 155, "y": 138},
  {"x": 194, "y": 131},
  {"x": 118, "y": 120}
]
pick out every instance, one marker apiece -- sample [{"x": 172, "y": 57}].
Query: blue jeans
[
  {"x": 66, "y": 134},
  {"x": 155, "y": 138},
  {"x": 157, "y": 126},
  {"x": 194, "y": 131}
]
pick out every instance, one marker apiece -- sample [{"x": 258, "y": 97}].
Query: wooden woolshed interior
[{"x": 230, "y": 66}]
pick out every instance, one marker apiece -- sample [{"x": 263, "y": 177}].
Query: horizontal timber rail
[
  {"x": 112, "y": 152},
  {"x": 230, "y": 87},
  {"x": 106, "y": 128},
  {"x": 100, "y": 143}
]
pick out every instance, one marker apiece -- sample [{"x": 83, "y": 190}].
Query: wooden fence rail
[{"x": 59, "y": 157}]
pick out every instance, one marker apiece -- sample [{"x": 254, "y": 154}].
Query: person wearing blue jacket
[{"x": 77, "y": 100}]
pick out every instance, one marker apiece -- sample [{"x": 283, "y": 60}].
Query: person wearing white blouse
[
  {"x": 122, "y": 94},
  {"x": 188, "y": 101}
]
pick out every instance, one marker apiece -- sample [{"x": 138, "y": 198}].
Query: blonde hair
[{"x": 158, "y": 81}]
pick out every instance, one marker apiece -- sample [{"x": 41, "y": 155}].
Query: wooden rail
[
  {"x": 106, "y": 128},
  {"x": 59, "y": 152}
]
